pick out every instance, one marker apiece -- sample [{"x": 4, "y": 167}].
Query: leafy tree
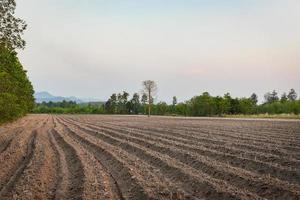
[
  {"x": 144, "y": 99},
  {"x": 174, "y": 102},
  {"x": 122, "y": 100},
  {"x": 254, "y": 98},
  {"x": 227, "y": 103},
  {"x": 69, "y": 107},
  {"x": 11, "y": 28},
  {"x": 111, "y": 104},
  {"x": 161, "y": 108},
  {"x": 182, "y": 109},
  {"x": 220, "y": 105},
  {"x": 203, "y": 105},
  {"x": 135, "y": 103},
  {"x": 284, "y": 97},
  {"x": 16, "y": 91},
  {"x": 271, "y": 97},
  {"x": 245, "y": 106},
  {"x": 292, "y": 96}
]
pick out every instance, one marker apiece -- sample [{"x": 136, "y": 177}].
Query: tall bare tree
[{"x": 150, "y": 89}]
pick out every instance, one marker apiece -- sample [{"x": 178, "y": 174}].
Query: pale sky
[{"x": 97, "y": 47}]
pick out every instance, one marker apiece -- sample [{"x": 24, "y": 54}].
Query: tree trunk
[{"x": 149, "y": 104}]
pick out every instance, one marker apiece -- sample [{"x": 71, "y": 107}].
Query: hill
[{"x": 47, "y": 97}]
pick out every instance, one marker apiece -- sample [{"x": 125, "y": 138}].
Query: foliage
[
  {"x": 202, "y": 105},
  {"x": 292, "y": 95},
  {"x": 70, "y": 107},
  {"x": 11, "y": 28},
  {"x": 16, "y": 91}
]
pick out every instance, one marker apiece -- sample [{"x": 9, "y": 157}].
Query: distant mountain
[{"x": 46, "y": 97}]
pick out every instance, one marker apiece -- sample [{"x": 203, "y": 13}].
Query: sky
[{"x": 95, "y": 48}]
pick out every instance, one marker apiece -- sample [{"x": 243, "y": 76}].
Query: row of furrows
[
  {"x": 37, "y": 179},
  {"x": 244, "y": 135},
  {"x": 33, "y": 177},
  {"x": 120, "y": 173},
  {"x": 203, "y": 133},
  {"x": 238, "y": 177},
  {"x": 8, "y": 136},
  {"x": 236, "y": 160},
  {"x": 31, "y": 165},
  {"x": 194, "y": 181},
  {"x": 5, "y": 144},
  {"x": 269, "y": 152},
  {"x": 70, "y": 169},
  {"x": 24, "y": 158},
  {"x": 98, "y": 183},
  {"x": 132, "y": 135},
  {"x": 171, "y": 171},
  {"x": 7, "y": 187},
  {"x": 15, "y": 154},
  {"x": 290, "y": 142},
  {"x": 9, "y": 133},
  {"x": 146, "y": 163},
  {"x": 261, "y": 130},
  {"x": 212, "y": 125},
  {"x": 291, "y": 146},
  {"x": 140, "y": 172},
  {"x": 219, "y": 146},
  {"x": 266, "y": 127},
  {"x": 9, "y": 127}
]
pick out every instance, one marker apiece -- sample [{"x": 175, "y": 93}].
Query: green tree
[
  {"x": 16, "y": 90},
  {"x": 283, "y": 98},
  {"x": 122, "y": 100},
  {"x": 292, "y": 96},
  {"x": 271, "y": 97},
  {"x": 111, "y": 104},
  {"x": 203, "y": 105},
  {"x": 254, "y": 98},
  {"x": 174, "y": 102},
  {"x": 135, "y": 103},
  {"x": 11, "y": 27}
]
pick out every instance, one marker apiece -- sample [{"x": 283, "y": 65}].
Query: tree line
[
  {"x": 16, "y": 91},
  {"x": 201, "y": 105}
]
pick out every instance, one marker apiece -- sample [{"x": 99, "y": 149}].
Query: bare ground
[{"x": 135, "y": 157}]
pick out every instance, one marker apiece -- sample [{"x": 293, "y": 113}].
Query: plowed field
[{"x": 135, "y": 157}]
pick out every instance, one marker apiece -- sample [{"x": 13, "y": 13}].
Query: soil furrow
[
  {"x": 243, "y": 135},
  {"x": 128, "y": 188},
  {"x": 5, "y": 144},
  {"x": 208, "y": 167},
  {"x": 221, "y": 139},
  {"x": 119, "y": 157},
  {"x": 254, "y": 152},
  {"x": 251, "y": 165},
  {"x": 197, "y": 183},
  {"x": 98, "y": 182},
  {"x": 219, "y": 146},
  {"x": 8, "y": 187},
  {"x": 71, "y": 174}
]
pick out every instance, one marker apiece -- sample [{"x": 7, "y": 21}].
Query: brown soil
[{"x": 136, "y": 157}]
